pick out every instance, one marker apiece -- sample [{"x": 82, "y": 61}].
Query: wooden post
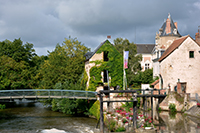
[
  {"x": 152, "y": 104},
  {"x": 145, "y": 106},
  {"x": 144, "y": 100},
  {"x": 101, "y": 113},
  {"x": 135, "y": 111}
]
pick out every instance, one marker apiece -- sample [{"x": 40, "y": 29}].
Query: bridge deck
[{"x": 44, "y": 93}]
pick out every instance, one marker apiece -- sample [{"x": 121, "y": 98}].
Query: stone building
[
  {"x": 167, "y": 34},
  {"x": 107, "y": 65},
  {"x": 179, "y": 64}
]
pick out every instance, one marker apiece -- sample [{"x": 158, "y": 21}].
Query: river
[{"x": 29, "y": 117}]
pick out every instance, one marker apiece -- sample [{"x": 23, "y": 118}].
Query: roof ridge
[{"x": 175, "y": 44}]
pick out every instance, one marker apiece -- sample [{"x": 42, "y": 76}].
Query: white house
[
  {"x": 180, "y": 64},
  {"x": 145, "y": 50}
]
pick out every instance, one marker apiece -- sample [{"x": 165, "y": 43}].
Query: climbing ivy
[{"x": 114, "y": 66}]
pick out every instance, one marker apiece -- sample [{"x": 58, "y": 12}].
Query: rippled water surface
[{"x": 33, "y": 118}]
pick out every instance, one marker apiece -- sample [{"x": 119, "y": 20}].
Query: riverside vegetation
[{"x": 63, "y": 68}]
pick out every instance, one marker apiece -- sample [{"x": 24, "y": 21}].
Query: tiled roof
[
  {"x": 145, "y": 48},
  {"x": 155, "y": 82},
  {"x": 172, "y": 47}
]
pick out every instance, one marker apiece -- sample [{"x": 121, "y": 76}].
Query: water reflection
[{"x": 176, "y": 123}]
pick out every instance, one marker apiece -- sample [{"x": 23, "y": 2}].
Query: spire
[
  {"x": 169, "y": 28},
  {"x": 169, "y": 16}
]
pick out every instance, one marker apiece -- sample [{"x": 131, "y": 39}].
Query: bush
[
  {"x": 2, "y": 106},
  {"x": 120, "y": 129},
  {"x": 95, "y": 110},
  {"x": 172, "y": 107},
  {"x": 111, "y": 124}
]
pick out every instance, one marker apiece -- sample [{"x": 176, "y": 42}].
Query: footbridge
[{"x": 46, "y": 93}]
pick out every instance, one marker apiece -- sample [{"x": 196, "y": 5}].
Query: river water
[{"x": 29, "y": 117}]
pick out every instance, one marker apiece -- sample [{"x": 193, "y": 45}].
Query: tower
[{"x": 167, "y": 34}]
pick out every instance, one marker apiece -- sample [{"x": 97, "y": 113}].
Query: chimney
[
  {"x": 197, "y": 36},
  {"x": 109, "y": 37},
  {"x": 168, "y": 27}
]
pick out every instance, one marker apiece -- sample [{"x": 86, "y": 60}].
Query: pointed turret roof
[{"x": 169, "y": 28}]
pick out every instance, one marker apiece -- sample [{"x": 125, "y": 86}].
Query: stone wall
[{"x": 179, "y": 66}]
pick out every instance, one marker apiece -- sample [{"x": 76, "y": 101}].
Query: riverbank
[{"x": 194, "y": 112}]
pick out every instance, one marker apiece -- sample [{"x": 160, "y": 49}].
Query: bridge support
[{"x": 101, "y": 113}]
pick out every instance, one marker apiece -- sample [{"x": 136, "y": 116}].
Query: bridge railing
[{"x": 46, "y": 93}]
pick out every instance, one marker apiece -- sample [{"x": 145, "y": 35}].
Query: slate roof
[
  {"x": 172, "y": 25},
  {"x": 88, "y": 55},
  {"x": 145, "y": 48},
  {"x": 173, "y": 47}
]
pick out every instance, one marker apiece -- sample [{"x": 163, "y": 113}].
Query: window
[
  {"x": 146, "y": 66},
  {"x": 162, "y": 52},
  {"x": 105, "y": 55},
  {"x": 191, "y": 54},
  {"x": 158, "y": 54}
]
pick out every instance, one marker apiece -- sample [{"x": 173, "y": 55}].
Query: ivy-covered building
[{"x": 104, "y": 68}]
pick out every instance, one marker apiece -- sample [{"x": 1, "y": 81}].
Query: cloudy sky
[{"x": 47, "y": 22}]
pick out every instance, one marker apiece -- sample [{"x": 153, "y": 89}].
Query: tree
[
  {"x": 66, "y": 62},
  {"x": 13, "y": 75},
  {"x": 17, "y": 51},
  {"x": 133, "y": 60},
  {"x": 16, "y": 71},
  {"x": 145, "y": 77}
]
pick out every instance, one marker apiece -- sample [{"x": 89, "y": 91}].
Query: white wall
[{"x": 178, "y": 65}]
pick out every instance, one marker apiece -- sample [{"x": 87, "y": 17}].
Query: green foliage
[
  {"x": 66, "y": 106},
  {"x": 172, "y": 115},
  {"x": 71, "y": 106},
  {"x": 120, "y": 129},
  {"x": 145, "y": 77},
  {"x": 133, "y": 60},
  {"x": 110, "y": 124},
  {"x": 95, "y": 77},
  {"x": 95, "y": 110},
  {"x": 17, "y": 51},
  {"x": 66, "y": 62},
  {"x": 159, "y": 109},
  {"x": 2, "y": 106},
  {"x": 127, "y": 106},
  {"x": 172, "y": 107},
  {"x": 17, "y": 69},
  {"x": 114, "y": 65}
]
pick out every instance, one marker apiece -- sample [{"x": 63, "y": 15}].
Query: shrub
[
  {"x": 120, "y": 129},
  {"x": 95, "y": 110},
  {"x": 2, "y": 106},
  {"x": 111, "y": 124},
  {"x": 172, "y": 107}
]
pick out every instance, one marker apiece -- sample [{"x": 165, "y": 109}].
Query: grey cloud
[{"x": 46, "y": 23}]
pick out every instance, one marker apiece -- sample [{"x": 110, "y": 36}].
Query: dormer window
[
  {"x": 175, "y": 31},
  {"x": 105, "y": 56}
]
